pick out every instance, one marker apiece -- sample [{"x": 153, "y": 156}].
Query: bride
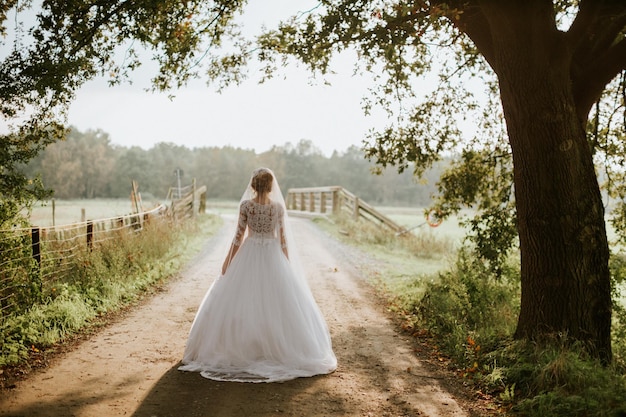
[{"x": 259, "y": 321}]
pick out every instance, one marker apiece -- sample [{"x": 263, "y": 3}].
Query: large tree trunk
[{"x": 564, "y": 249}]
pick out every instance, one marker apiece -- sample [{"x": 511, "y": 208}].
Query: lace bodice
[{"x": 262, "y": 220}]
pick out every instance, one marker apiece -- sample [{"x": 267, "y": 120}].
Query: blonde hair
[{"x": 262, "y": 181}]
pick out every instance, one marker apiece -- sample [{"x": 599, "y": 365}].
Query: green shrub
[
  {"x": 468, "y": 310},
  {"x": 617, "y": 266},
  {"x": 557, "y": 378}
]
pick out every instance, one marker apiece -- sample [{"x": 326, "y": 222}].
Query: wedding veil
[{"x": 276, "y": 196}]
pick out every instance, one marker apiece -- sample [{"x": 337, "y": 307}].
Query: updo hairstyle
[{"x": 262, "y": 181}]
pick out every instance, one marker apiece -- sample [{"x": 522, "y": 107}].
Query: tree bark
[{"x": 563, "y": 243}]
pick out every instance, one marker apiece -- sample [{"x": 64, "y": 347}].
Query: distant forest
[{"x": 87, "y": 165}]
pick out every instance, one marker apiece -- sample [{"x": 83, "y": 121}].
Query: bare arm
[
  {"x": 231, "y": 254},
  {"x": 237, "y": 240}
]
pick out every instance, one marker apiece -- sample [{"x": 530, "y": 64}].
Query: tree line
[{"x": 87, "y": 165}]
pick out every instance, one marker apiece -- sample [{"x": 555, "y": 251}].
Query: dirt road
[{"x": 130, "y": 367}]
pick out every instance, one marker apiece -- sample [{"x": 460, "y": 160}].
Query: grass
[
  {"x": 414, "y": 218},
  {"x": 441, "y": 292},
  {"x": 397, "y": 253},
  {"x": 117, "y": 273}
]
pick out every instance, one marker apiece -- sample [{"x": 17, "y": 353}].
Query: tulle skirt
[{"x": 259, "y": 322}]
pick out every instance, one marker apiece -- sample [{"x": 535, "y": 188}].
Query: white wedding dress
[{"x": 259, "y": 321}]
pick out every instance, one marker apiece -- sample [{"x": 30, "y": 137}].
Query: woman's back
[{"x": 263, "y": 220}]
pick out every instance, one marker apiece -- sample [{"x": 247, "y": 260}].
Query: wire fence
[
  {"x": 34, "y": 256},
  {"x": 34, "y": 259}
]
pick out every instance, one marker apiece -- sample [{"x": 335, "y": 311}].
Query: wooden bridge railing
[
  {"x": 187, "y": 201},
  {"x": 335, "y": 200}
]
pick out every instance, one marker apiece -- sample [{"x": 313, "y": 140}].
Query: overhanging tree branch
[
  {"x": 586, "y": 17},
  {"x": 590, "y": 78},
  {"x": 474, "y": 23}
]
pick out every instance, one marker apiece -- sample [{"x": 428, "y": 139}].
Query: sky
[{"x": 251, "y": 116}]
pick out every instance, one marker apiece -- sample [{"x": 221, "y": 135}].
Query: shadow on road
[
  {"x": 179, "y": 394},
  {"x": 374, "y": 377},
  {"x": 93, "y": 393}
]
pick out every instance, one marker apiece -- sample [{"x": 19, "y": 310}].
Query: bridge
[{"x": 336, "y": 200}]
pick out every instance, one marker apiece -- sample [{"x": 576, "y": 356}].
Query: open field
[
  {"x": 413, "y": 218},
  {"x": 70, "y": 211}
]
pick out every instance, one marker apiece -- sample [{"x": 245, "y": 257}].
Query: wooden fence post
[
  {"x": 135, "y": 222},
  {"x": 36, "y": 246},
  {"x": 36, "y": 249},
  {"x": 135, "y": 197},
  {"x": 356, "y": 208},
  {"x": 202, "y": 205},
  {"x": 322, "y": 202},
  {"x": 89, "y": 235},
  {"x": 193, "y": 197}
]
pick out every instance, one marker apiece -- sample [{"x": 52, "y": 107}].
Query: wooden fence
[
  {"x": 187, "y": 201},
  {"x": 335, "y": 200},
  {"x": 33, "y": 255}
]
